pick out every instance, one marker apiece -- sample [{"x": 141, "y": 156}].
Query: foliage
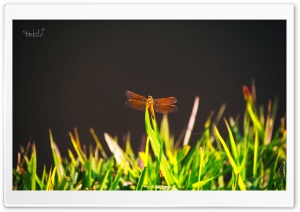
[{"x": 251, "y": 158}]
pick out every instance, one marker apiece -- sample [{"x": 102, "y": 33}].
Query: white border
[{"x": 134, "y": 198}]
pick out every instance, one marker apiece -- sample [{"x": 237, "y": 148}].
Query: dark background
[{"x": 75, "y": 75}]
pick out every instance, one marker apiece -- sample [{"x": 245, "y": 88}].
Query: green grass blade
[
  {"x": 255, "y": 155},
  {"x": 201, "y": 164},
  {"x": 182, "y": 153},
  {"x": 87, "y": 180},
  {"x": 73, "y": 181},
  {"x": 255, "y": 120},
  {"x": 156, "y": 144},
  {"x": 71, "y": 156},
  {"x": 104, "y": 181},
  {"x": 43, "y": 178},
  {"x": 147, "y": 152},
  {"x": 233, "y": 144},
  {"x": 231, "y": 160},
  {"x": 128, "y": 149},
  {"x": 203, "y": 182},
  {"x": 165, "y": 133},
  {"x": 272, "y": 175},
  {"x": 98, "y": 143},
  {"x": 80, "y": 153},
  {"x": 142, "y": 179},
  {"x": 186, "y": 166},
  {"x": 117, "y": 179},
  {"x": 32, "y": 167},
  {"x": 158, "y": 173},
  {"x": 51, "y": 180}
]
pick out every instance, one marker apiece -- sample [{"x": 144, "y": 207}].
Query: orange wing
[
  {"x": 165, "y": 108},
  {"x": 165, "y": 101},
  {"x": 136, "y": 104},
  {"x": 134, "y": 96}
]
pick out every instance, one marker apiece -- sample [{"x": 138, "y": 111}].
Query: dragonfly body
[{"x": 160, "y": 105}]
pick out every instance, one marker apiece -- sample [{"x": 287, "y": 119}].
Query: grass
[{"x": 250, "y": 158}]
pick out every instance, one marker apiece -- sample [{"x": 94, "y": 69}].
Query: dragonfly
[{"x": 160, "y": 105}]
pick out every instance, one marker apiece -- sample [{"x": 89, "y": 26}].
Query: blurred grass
[{"x": 251, "y": 157}]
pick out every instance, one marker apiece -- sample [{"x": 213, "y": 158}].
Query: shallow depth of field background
[{"x": 75, "y": 75}]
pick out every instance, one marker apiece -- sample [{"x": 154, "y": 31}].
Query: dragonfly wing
[
  {"x": 134, "y": 96},
  {"x": 136, "y": 104},
  {"x": 165, "y": 108},
  {"x": 165, "y": 101}
]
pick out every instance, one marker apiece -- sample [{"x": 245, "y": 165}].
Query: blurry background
[{"x": 76, "y": 73}]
